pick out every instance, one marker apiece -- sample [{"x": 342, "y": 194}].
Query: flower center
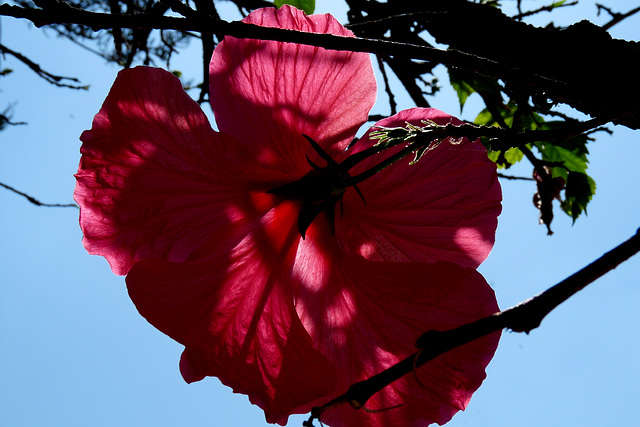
[{"x": 319, "y": 190}]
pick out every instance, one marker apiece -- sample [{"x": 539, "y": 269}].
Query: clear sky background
[{"x": 74, "y": 351}]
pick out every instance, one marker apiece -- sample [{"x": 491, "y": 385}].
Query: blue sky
[{"x": 74, "y": 351}]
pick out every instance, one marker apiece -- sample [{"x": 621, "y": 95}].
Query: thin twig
[
  {"x": 36, "y": 201},
  {"x": 514, "y": 178},
  {"x": 524, "y": 317},
  {"x": 548, "y": 8},
  {"x": 387, "y": 87},
  {"x": 5, "y": 120},
  {"x": 51, "y": 78},
  {"x": 70, "y": 38},
  {"x": 616, "y": 18}
]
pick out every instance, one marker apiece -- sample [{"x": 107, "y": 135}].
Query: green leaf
[
  {"x": 484, "y": 118},
  {"x": 579, "y": 190},
  {"x": 570, "y": 159},
  {"x": 513, "y": 155},
  {"x": 505, "y": 159},
  {"x": 466, "y": 83},
  {"x": 493, "y": 156},
  {"x": 307, "y": 6},
  {"x": 462, "y": 88},
  {"x": 506, "y": 111},
  {"x": 572, "y": 153}
]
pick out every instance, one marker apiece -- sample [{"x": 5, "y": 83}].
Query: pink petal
[
  {"x": 154, "y": 179},
  {"x": 443, "y": 208},
  {"x": 234, "y": 313},
  {"x": 366, "y": 316},
  {"x": 270, "y": 93}
]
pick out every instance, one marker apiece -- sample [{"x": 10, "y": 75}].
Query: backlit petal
[
  {"x": 235, "y": 315},
  {"x": 366, "y": 316},
  {"x": 154, "y": 179},
  {"x": 270, "y": 92},
  {"x": 443, "y": 208}
]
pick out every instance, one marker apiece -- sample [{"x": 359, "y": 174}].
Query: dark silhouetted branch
[
  {"x": 616, "y": 18},
  {"x": 569, "y": 81},
  {"x": 36, "y": 201},
  {"x": 549, "y": 8},
  {"x": 5, "y": 120},
  {"x": 51, "y": 78},
  {"x": 514, "y": 178}
]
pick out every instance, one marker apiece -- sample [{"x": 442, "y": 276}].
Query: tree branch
[
  {"x": 51, "y": 78},
  {"x": 5, "y": 120},
  {"x": 561, "y": 77},
  {"x": 523, "y": 317},
  {"x": 616, "y": 18},
  {"x": 514, "y": 178},
  {"x": 541, "y": 9},
  {"x": 387, "y": 87},
  {"x": 36, "y": 201}
]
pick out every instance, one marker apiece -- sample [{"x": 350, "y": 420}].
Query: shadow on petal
[
  {"x": 443, "y": 208},
  {"x": 271, "y": 93},
  {"x": 154, "y": 179},
  {"x": 236, "y": 318},
  {"x": 366, "y": 315}
]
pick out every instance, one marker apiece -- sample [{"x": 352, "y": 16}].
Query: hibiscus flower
[{"x": 208, "y": 227}]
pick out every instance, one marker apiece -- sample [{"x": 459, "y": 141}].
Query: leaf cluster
[
  {"x": 508, "y": 104},
  {"x": 560, "y": 164}
]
